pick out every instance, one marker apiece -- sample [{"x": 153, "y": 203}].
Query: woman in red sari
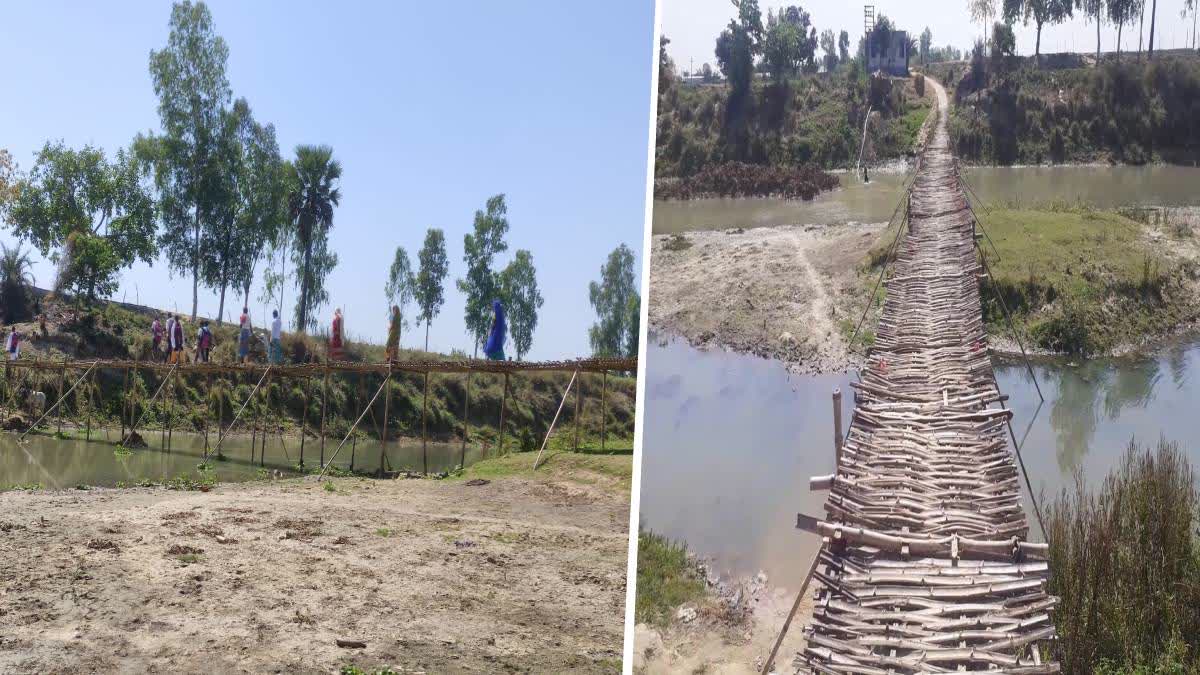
[{"x": 337, "y": 348}]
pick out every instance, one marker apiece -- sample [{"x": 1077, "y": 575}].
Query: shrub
[{"x": 1125, "y": 563}]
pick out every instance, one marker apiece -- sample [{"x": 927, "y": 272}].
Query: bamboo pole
[
  {"x": 306, "y": 384},
  {"x": 554, "y": 421},
  {"x": 837, "y": 429},
  {"x": 208, "y": 398},
  {"x": 462, "y": 463},
  {"x": 324, "y": 405},
  {"x": 265, "y": 420},
  {"x": 62, "y": 385},
  {"x": 124, "y": 403},
  {"x": 604, "y": 413},
  {"x": 578, "y": 403},
  {"x": 387, "y": 405},
  {"x": 91, "y": 387},
  {"x": 503, "y": 404},
  {"x": 425, "y": 428}
]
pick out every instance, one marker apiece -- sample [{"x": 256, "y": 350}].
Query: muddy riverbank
[{"x": 520, "y": 572}]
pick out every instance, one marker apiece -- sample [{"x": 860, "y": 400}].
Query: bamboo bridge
[
  {"x": 309, "y": 374},
  {"x": 924, "y": 564}
]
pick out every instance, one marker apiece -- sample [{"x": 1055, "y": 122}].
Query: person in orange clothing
[{"x": 337, "y": 347}]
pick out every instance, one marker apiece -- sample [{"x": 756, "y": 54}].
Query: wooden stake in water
[
  {"x": 306, "y": 384},
  {"x": 837, "y": 429},
  {"x": 62, "y": 385},
  {"x": 324, "y": 405}
]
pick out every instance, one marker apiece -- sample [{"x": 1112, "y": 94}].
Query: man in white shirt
[{"x": 276, "y": 337}]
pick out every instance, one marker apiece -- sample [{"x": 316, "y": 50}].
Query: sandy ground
[
  {"x": 519, "y": 575},
  {"x": 730, "y": 633},
  {"x": 779, "y": 292}
]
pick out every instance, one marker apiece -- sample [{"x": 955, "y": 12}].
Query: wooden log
[
  {"x": 837, "y": 428},
  {"x": 324, "y": 407}
]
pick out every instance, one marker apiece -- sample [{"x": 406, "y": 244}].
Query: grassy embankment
[
  {"x": 1135, "y": 111},
  {"x": 1077, "y": 280},
  {"x": 116, "y": 331},
  {"x": 666, "y": 579},
  {"x": 809, "y": 121},
  {"x": 1125, "y": 562}
]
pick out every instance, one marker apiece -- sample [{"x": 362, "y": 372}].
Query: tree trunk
[
  {"x": 426, "y": 336},
  {"x": 302, "y": 315},
  {"x": 1097, "y": 37},
  {"x": 1153, "y": 12},
  {"x": 1037, "y": 47},
  {"x": 221, "y": 306},
  {"x": 196, "y": 267},
  {"x": 1119, "y": 27},
  {"x": 1141, "y": 29}
]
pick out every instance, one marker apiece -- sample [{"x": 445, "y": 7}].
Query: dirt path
[
  {"x": 433, "y": 576},
  {"x": 778, "y": 292}
]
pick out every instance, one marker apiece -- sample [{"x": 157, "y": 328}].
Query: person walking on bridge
[
  {"x": 337, "y": 346},
  {"x": 393, "y": 339},
  {"x": 276, "y": 338},
  {"x": 175, "y": 340},
  {"x": 12, "y": 344},
  {"x": 156, "y": 337},
  {"x": 204, "y": 342},
  {"x": 244, "y": 336},
  {"x": 494, "y": 348}
]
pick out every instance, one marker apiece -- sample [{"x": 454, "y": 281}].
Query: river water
[
  {"x": 730, "y": 440},
  {"x": 55, "y": 463},
  {"x": 1102, "y": 186}
]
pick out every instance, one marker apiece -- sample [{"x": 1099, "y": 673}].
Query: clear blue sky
[{"x": 431, "y": 108}]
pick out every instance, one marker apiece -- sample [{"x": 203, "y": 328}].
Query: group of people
[
  {"x": 173, "y": 336},
  {"x": 169, "y": 343}
]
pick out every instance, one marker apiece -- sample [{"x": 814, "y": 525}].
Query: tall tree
[
  {"x": 633, "y": 321},
  {"x": 481, "y": 285},
  {"x": 737, "y": 46},
  {"x": 1153, "y": 14},
  {"x": 518, "y": 283},
  {"x": 782, "y": 46},
  {"x": 252, "y": 207},
  {"x": 401, "y": 286},
  {"x": 90, "y": 216},
  {"x": 193, "y": 91},
  {"x": 926, "y": 43},
  {"x": 1121, "y": 12},
  {"x": 1041, "y": 12},
  {"x": 610, "y": 297},
  {"x": 666, "y": 67},
  {"x": 829, "y": 46},
  {"x": 843, "y": 47},
  {"x": 9, "y": 179},
  {"x": 16, "y": 281},
  {"x": 1094, "y": 10},
  {"x": 982, "y": 11},
  {"x": 313, "y": 196},
  {"x": 429, "y": 287}
]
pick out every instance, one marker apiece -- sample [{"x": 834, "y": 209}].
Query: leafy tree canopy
[
  {"x": 481, "y": 285},
  {"x": 434, "y": 266},
  {"x": 518, "y": 283},
  {"x": 611, "y": 298}
]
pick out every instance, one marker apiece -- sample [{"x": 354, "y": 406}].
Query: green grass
[
  {"x": 1078, "y": 280},
  {"x": 911, "y": 121},
  {"x": 665, "y": 579},
  {"x": 614, "y": 472}
]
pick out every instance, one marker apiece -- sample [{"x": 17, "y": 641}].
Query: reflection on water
[
  {"x": 1104, "y": 186},
  {"x": 61, "y": 463},
  {"x": 729, "y": 441}
]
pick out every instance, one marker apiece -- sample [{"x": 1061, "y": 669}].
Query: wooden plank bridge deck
[{"x": 924, "y": 565}]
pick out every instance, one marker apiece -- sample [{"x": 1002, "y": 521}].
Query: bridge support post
[
  {"x": 604, "y": 413},
  {"x": 324, "y": 406},
  {"x": 62, "y": 387},
  {"x": 424, "y": 426},
  {"x": 503, "y": 405},
  {"x": 837, "y": 430},
  {"x": 387, "y": 405},
  {"x": 303, "y": 420},
  {"x": 462, "y": 463},
  {"x": 578, "y": 394}
]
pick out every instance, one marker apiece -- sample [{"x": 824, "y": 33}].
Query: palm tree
[
  {"x": 311, "y": 201},
  {"x": 16, "y": 279}
]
